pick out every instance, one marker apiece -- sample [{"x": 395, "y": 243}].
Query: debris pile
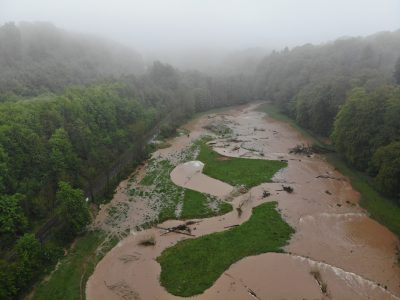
[
  {"x": 286, "y": 188},
  {"x": 266, "y": 194},
  {"x": 181, "y": 228},
  {"x": 302, "y": 149}
]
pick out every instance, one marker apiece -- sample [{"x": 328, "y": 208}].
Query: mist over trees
[
  {"x": 65, "y": 125},
  {"x": 344, "y": 89},
  {"x": 38, "y": 57},
  {"x": 72, "y": 106},
  {"x": 310, "y": 83}
]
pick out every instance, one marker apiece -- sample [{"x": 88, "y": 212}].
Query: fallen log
[
  {"x": 230, "y": 226},
  {"x": 286, "y": 188},
  {"x": 252, "y": 293},
  {"x": 301, "y": 149},
  {"x": 266, "y": 194},
  {"x": 176, "y": 229},
  {"x": 328, "y": 177}
]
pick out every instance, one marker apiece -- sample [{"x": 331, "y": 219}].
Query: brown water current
[
  {"x": 337, "y": 252},
  {"x": 189, "y": 175}
]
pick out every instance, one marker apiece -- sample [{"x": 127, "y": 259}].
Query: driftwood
[
  {"x": 249, "y": 290},
  {"x": 329, "y": 177},
  {"x": 123, "y": 290},
  {"x": 252, "y": 293},
  {"x": 235, "y": 140},
  {"x": 286, "y": 188},
  {"x": 193, "y": 222},
  {"x": 266, "y": 194},
  {"x": 322, "y": 285},
  {"x": 128, "y": 258},
  {"x": 247, "y": 154},
  {"x": 230, "y": 226},
  {"x": 301, "y": 149},
  {"x": 181, "y": 229}
]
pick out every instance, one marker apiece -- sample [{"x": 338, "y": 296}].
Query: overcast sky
[{"x": 228, "y": 24}]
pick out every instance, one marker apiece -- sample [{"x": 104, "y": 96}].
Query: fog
[{"x": 176, "y": 30}]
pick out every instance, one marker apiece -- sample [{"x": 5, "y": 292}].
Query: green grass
[
  {"x": 194, "y": 204},
  {"x": 68, "y": 282},
  {"x": 193, "y": 265},
  {"x": 237, "y": 171},
  {"x": 382, "y": 209}
]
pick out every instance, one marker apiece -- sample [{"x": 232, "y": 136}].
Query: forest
[
  {"x": 72, "y": 106},
  {"x": 60, "y": 135},
  {"x": 347, "y": 91}
]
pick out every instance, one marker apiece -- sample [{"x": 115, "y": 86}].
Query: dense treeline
[
  {"x": 351, "y": 81},
  {"x": 38, "y": 57},
  {"x": 71, "y": 106},
  {"x": 367, "y": 134},
  {"x": 310, "y": 83},
  {"x": 54, "y": 146}
]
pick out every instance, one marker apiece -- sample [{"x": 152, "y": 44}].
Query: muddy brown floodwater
[{"x": 337, "y": 252}]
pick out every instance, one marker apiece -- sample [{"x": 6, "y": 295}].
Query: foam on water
[{"x": 358, "y": 284}]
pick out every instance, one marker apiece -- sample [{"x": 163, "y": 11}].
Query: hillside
[{"x": 39, "y": 57}]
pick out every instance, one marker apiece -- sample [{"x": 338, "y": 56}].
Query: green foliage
[
  {"x": 366, "y": 122},
  {"x": 318, "y": 104},
  {"x": 193, "y": 265},
  {"x": 386, "y": 163},
  {"x": 396, "y": 74},
  {"x": 74, "y": 209},
  {"x": 8, "y": 288},
  {"x": 237, "y": 171},
  {"x": 29, "y": 263},
  {"x": 63, "y": 159},
  {"x": 3, "y": 170},
  {"x": 12, "y": 218},
  {"x": 38, "y": 57},
  {"x": 197, "y": 205},
  {"x": 67, "y": 282},
  {"x": 310, "y": 82},
  {"x": 171, "y": 197}
]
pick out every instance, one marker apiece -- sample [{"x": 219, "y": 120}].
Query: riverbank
[
  {"x": 382, "y": 209},
  {"x": 337, "y": 250},
  {"x": 73, "y": 270}
]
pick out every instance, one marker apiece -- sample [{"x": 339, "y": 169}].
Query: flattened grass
[
  {"x": 68, "y": 281},
  {"x": 194, "y": 204},
  {"x": 193, "y": 265},
  {"x": 237, "y": 171}
]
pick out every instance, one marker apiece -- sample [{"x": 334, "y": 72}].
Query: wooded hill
[
  {"x": 38, "y": 57},
  {"x": 72, "y": 107},
  {"x": 346, "y": 90}
]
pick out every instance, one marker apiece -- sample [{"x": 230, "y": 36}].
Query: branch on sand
[{"x": 181, "y": 229}]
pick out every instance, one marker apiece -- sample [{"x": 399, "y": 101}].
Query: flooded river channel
[{"x": 337, "y": 251}]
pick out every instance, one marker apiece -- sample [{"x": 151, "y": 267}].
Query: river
[{"x": 353, "y": 255}]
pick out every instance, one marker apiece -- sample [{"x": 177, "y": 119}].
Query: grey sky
[{"x": 223, "y": 24}]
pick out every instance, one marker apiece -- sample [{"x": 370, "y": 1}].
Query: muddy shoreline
[{"x": 354, "y": 255}]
